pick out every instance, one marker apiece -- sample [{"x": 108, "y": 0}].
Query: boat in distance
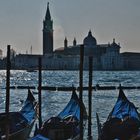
[
  {"x": 123, "y": 122},
  {"x": 20, "y": 123},
  {"x": 66, "y": 125}
]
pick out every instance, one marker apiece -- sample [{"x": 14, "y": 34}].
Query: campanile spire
[
  {"x": 48, "y": 15},
  {"x": 47, "y": 33}
]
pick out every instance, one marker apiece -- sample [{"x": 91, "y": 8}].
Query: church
[{"x": 105, "y": 56}]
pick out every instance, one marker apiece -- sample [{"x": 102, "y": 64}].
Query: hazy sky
[{"x": 21, "y": 22}]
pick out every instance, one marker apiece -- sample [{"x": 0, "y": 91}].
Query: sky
[{"x": 21, "y": 23}]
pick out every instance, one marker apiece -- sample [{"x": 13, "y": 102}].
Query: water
[{"x": 103, "y": 101}]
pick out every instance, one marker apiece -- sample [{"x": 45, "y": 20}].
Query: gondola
[
  {"x": 21, "y": 122},
  {"x": 123, "y": 122},
  {"x": 65, "y": 126}
]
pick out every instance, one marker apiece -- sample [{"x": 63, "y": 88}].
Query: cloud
[{"x": 58, "y": 36}]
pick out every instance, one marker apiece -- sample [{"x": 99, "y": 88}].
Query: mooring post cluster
[{"x": 90, "y": 88}]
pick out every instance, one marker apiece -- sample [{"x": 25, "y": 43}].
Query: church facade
[{"x": 105, "y": 56}]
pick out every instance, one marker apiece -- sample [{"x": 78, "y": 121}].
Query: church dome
[{"x": 90, "y": 40}]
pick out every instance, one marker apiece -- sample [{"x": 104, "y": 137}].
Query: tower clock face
[{"x": 48, "y": 25}]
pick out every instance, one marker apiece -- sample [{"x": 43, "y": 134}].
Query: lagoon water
[{"x": 103, "y": 101}]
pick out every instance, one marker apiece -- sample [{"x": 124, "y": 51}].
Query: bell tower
[{"x": 47, "y": 33}]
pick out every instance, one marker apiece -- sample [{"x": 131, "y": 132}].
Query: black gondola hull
[
  {"x": 123, "y": 122},
  {"x": 19, "y": 124},
  {"x": 21, "y": 134}
]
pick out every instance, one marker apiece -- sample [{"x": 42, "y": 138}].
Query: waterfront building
[
  {"x": 67, "y": 57},
  {"x": 49, "y": 62},
  {"x": 112, "y": 59},
  {"x": 131, "y": 60},
  {"x": 1, "y": 54},
  {"x": 105, "y": 56},
  {"x": 25, "y": 61}
]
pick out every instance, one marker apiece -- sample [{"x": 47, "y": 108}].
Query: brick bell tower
[{"x": 47, "y": 33}]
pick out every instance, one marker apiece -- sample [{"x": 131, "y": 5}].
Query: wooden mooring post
[
  {"x": 90, "y": 99},
  {"x": 81, "y": 89},
  {"x": 7, "y": 103},
  {"x": 39, "y": 90}
]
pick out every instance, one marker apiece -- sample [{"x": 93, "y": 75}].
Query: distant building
[
  {"x": 112, "y": 60},
  {"x": 25, "y": 61},
  {"x": 2, "y": 62},
  {"x": 50, "y": 62},
  {"x": 131, "y": 61},
  {"x": 105, "y": 56},
  {"x": 1, "y": 54},
  {"x": 12, "y": 53}
]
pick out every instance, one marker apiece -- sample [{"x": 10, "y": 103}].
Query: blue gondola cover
[
  {"x": 123, "y": 108},
  {"x": 39, "y": 137},
  {"x": 72, "y": 108},
  {"x": 28, "y": 110}
]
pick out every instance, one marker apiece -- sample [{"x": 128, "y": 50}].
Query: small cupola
[
  {"x": 65, "y": 43},
  {"x": 74, "y": 42}
]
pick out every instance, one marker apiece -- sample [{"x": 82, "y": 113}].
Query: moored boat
[
  {"x": 31, "y": 70},
  {"x": 65, "y": 126},
  {"x": 123, "y": 122},
  {"x": 20, "y": 123}
]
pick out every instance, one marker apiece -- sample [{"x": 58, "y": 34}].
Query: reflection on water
[{"x": 54, "y": 102}]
